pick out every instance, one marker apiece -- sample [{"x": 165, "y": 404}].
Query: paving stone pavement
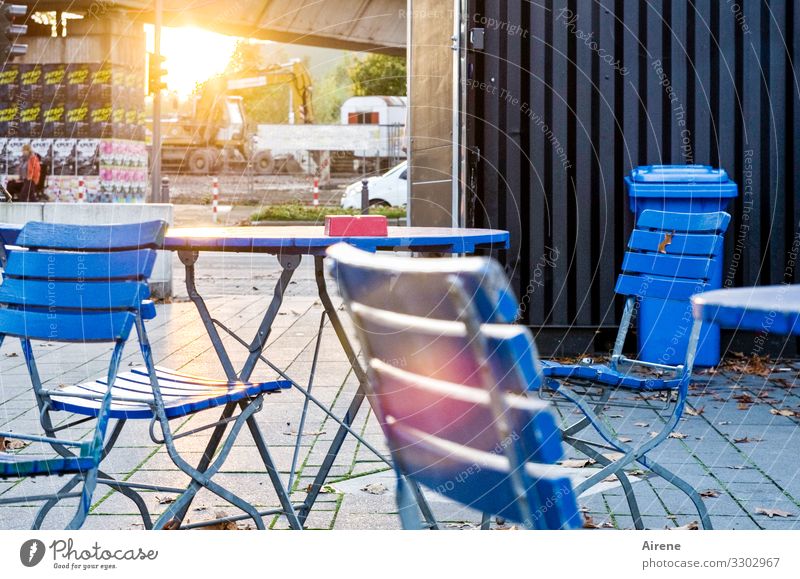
[{"x": 734, "y": 444}]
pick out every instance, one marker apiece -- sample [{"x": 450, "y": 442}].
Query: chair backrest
[
  {"x": 670, "y": 255},
  {"x": 448, "y": 383},
  {"x": 77, "y": 283}
]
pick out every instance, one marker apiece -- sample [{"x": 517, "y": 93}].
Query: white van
[{"x": 389, "y": 189}]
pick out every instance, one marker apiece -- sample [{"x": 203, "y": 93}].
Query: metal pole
[
  {"x": 155, "y": 169},
  {"x": 365, "y": 197}
]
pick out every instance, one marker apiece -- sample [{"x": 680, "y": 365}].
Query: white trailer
[{"x": 374, "y": 110}]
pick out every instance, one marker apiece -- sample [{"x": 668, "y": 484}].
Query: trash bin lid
[
  {"x": 678, "y": 174},
  {"x": 680, "y": 182}
]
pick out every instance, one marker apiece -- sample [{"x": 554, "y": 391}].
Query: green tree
[
  {"x": 379, "y": 75},
  {"x": 329, "y": 94}
]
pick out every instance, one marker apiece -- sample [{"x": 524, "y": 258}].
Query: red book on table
[{"x": 356, "y": 226}]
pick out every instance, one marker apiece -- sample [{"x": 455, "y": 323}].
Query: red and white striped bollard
[
  {"x": 215, "y": 199},
  {"x": 315, "y": 192}
]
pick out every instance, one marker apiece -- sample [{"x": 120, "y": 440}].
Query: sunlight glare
[{"x": 192, "y": 54}]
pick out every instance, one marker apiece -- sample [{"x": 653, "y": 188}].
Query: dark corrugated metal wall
[{"x": 567, "y": 96}]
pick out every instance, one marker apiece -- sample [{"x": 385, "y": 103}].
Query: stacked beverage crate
[{"x": 79, "y": 102}]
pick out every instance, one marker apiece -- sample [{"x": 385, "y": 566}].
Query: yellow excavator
[{"x": 213, "y": 136}]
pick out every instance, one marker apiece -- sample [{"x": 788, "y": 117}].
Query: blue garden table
[
  {"x": 290, "y": 244},
  {"x": 770, "y": 309}
]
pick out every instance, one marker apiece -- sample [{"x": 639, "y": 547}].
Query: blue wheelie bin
[{"x": 679, "y": 189}]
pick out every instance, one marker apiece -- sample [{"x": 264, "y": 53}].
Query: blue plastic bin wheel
[{"x": 664, "y": 325}]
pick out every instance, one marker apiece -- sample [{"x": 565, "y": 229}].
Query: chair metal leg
[
  {"x": 424, "y": 506},
  {"x": 85, "y": 502},
  {"x": 45, "y": 509},
  {"x": 486, "y": 521},
  {"x": 627, "y": 488},
  {"x": 208, "y": 453},
  {"x": 683, "y": 486},
  {"x": 639, "y": 454},
  {"x": 103, "y": 478},
  {"x": 406, "y": 505}
]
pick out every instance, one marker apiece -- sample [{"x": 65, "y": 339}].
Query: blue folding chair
[
  {"x": 670, "y": 257},
  {"x": 448, "y": 385},
  {"x": 65, "y": 283}
]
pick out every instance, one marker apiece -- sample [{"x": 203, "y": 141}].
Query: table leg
[
  {"x": 289, "y": 264},
  {"x": 188, "y": 259}
]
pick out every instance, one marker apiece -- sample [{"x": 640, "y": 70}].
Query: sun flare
[{"x": 192, "y": 55}]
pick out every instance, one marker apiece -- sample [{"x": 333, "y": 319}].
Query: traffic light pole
[{"x": 155, "y": 167}]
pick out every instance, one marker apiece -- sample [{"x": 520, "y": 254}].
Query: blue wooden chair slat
[
  {"x": 448, "y": 383},
  {"x": 147, "y": 309},
  {"x": 105, "y": 238},
  {"x": 484, "y": 282},
  {"x": 452, "y": 470},
  {"x": 697, "y": 268},
  {"x": 678, "y": 243},
  {"x": 115, "y": 295},
  {"x": 463, "y": 414},
  {"x": 182, "y": 395},
  {"x": 17, "y": 466},
  {"x": 641, "y": 286},
  {"x": 66, "y": 326},
  {"x": 716, "y": 222},
  {"x": 50, "y": 265}
]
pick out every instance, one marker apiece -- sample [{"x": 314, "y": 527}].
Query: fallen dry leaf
[
  {"x": 710, "y": 493},
  {"x": 577, "y": 462},
  {"x": 7, "y": 444},
  {"x": 642, "y": 424},
  {"x": 375, "y": 488},
  {"x": 588, "y": 523},
  {"x": 678, "y": 435},
  {"x": 662, "y": 245},
  {"x": 625, "y": 439},
  {"x": 784, "y": 412},
  {"x": 165, "y": 500},
  {"x": 745, "y": 440},
  {"x": 462, "y": 525},
  {"x": 507, "y": 528},
  {"x": 773, "y": 512},
  {"x": 325, "y": 490},
  {"x": 691, "y": 526},
  {"x": 222, "y": 526},
  {"x": 693, "y": 412}
]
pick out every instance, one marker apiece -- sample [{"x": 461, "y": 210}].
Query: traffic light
[
  {"x": 10, "y": 32},
  {"x": 155, "y": 73}
]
